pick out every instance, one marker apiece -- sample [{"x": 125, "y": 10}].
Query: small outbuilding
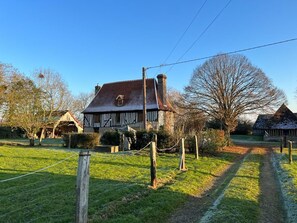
[
  {"x": 283, "y": 123},
  {"x": 62, "y": 122}
]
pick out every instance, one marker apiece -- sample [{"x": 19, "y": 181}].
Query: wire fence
[
  {"x": 41, "y": 195},
  {"x": 41, "y": 187}
]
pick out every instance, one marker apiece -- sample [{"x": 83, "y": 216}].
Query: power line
[
  {"x": 186, "y": 30},
  {"x": 203, "y": 32},
  {"x": 228, "y": 53}
]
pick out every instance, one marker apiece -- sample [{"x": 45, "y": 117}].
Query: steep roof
[
  {"x": 283, "y": 118},
  {"x": 57, "y": 115},
  {"x": 131, "y": 92}
]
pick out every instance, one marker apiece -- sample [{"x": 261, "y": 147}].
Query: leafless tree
[
  {"x": 227, "y": 86},
  {"x": 79, "y": 103},
  {"x": 55, "y": 95},
  {"x": 187, "y": 120}
]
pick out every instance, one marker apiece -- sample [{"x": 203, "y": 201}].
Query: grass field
[{"x": 119, "y": 185}]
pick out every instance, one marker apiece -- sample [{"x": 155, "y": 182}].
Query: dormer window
[{"x": 120, "y": 100}]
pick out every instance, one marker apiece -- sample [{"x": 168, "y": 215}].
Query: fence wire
[{"x": 43, "y": 195}]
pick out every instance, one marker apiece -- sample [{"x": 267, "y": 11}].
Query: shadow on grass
[{"x": 47, "y": 197}]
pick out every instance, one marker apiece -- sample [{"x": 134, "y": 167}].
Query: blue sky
[{"x": 90, "y": 42}]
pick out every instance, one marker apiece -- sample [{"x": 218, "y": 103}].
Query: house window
[
  {"x": 96, "y": 118},
  {"x": 120, "y": 100},
  {"x": 118, "y": 117},
  {"x": 140, "y": 116}
]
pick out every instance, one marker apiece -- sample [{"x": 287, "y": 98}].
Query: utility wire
[
  {"x": 184, "y": 33},
  {"x": 203, "y": 32},
  {"x": 228, "y": 53}
]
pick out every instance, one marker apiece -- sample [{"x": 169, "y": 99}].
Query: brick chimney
[
  {"x": 97, "y": 88},
  {"x": 162, "y": 88}
]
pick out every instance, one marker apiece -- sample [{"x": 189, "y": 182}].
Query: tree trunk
[
  {"x": 41, "y": 135},
  {"x": 31, "y": 141},
  {"x": 227, "y": 136}
]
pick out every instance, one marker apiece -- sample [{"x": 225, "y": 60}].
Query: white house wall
[{"x": 110, "y": 119}]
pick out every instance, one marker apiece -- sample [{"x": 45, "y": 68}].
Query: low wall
[{"x": 107, "y": 149}]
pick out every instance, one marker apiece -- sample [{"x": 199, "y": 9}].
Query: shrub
[
  {"x": 164, "y": 139},
  {"x": 141, "y": 138},
  {"x": 110, "y": 138},
  {"x": 211, "y": 141},
  {"x": 81, "y": 140}
]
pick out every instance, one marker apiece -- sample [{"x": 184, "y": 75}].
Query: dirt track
[
  {"x": 271, "y": 205},
  {"x": 270, "y": 200}
]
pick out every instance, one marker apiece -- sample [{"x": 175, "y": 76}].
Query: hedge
[{"x": 81, "y": 140}]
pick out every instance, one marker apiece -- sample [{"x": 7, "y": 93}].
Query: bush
[
  {"x": 110, "y": 138},
  {"x": 81, "y": 140},
  {"x": 243, "y": 128},
  {"x": 211, "y": 141},
  {"x": 141, "y": 138},
  {"x": 10, "y": 133}
]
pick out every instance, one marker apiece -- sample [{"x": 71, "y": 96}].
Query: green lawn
[
  {"x": 251, "y": 140},
  {"x": 247, "y": 137},
  {"x": 21, "y": 141},
  {"x": 240, "y": 202},
  {"x": 119, "y": 185}
]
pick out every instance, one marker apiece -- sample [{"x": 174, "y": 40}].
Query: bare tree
[
  {"x": 79, "y": 103},
  {"x": 55, "y": 96},
  {"x": 187, "y": 120},
  {"x": 225, "y": 87}
]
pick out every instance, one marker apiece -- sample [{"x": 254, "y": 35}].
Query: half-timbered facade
[
  {"x": 120, "y": 104},
  {"x": 274, "y": 126}
]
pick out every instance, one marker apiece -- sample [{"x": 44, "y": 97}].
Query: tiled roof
[
  {"x": 132, "y": 94},
  {"x": 283, "y": 118}
]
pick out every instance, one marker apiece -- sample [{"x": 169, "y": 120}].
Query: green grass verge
[
  {"x": 119, "y": 183},
  {"x": 287, "y": 175},
  {"x": 240, "y": 202}
]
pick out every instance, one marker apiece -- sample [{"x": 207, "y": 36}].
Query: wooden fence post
[
  {"x": 285, "y": 141},
  {"x": 281, "y": 145},
  {"x": 69, "y": 141},
  {"x": 182, "y": 161},
  {"x": 82, "y": 187},
  {"x": 290, "y": 152},
  {"x": 196, "y": 148},
  {"x": 155, "y": 138},
  {"x": 153, "y": 157}
]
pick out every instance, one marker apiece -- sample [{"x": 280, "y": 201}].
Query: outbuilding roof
[{"x": 283, "y": 118}]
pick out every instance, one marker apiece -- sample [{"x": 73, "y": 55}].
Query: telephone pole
[{"x": 144, "y": 97}]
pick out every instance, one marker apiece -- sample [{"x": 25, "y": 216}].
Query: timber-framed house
[{"x": 120, "y": 104}]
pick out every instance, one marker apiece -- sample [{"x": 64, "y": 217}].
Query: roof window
[{"x": 120, "y": 100}]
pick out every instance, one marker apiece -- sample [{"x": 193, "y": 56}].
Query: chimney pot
[{"x": 97, "y": 88}]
